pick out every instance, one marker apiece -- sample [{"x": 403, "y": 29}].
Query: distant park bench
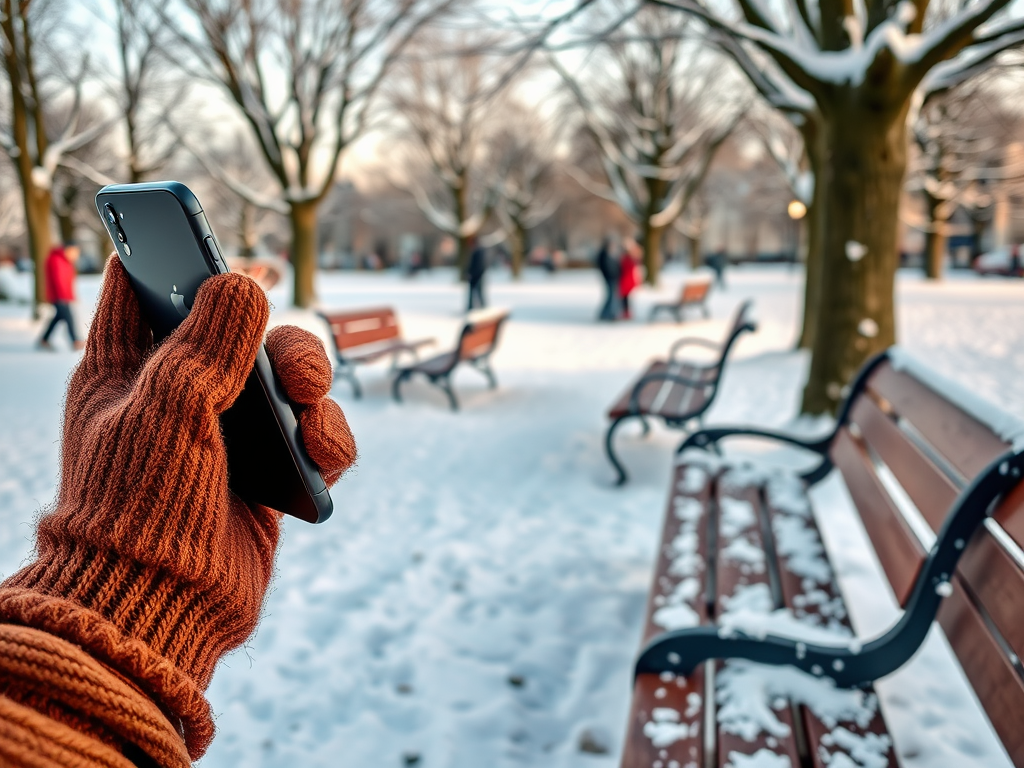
[
  {"x": 939, "y": 494},
  {"x": 694, "y": 293},
  {"x": 267, "y": 272},
  {"x": 674, "y": 391},
  {"x": 477, "y": 342},
  {"x": 363, "y": 336}
]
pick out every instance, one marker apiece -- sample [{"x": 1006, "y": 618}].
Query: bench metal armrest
[
  {"x": 634, "y": 397},
  {"x": 706, "y": 438},
  {"x": 852, "y": 663},
  {"x": 709, "y": 438},
  {"x": 692, "y": 341}
]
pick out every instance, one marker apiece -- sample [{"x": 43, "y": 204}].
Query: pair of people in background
[
  {"x": 59, "y": 272},
  {"x": 621, "y": 274}
]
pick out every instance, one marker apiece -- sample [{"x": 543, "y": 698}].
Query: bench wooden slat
[
  {"x": 965, "y": 442},
  {"x": 794, "y": 597},
  {"x": 694, "y": 292},
  {"x": 666, "y": 398},
  {"x": 362, "y": 326},
  {"x": 931, "y": 490},
  {"x": 995, "y": 681},
  {"x": 639, "y": 751},
  {"x": 898, "y": 549},
  {"x": 731, "y": 575},
  {"x": 1010, "y": 515},
  {"x": 650, "y": 693},
  {"x": 998, "y": 583}
]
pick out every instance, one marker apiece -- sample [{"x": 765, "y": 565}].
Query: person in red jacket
[
  {"x": 629, "y": 274},
  {"x": 60, "y": 291}
]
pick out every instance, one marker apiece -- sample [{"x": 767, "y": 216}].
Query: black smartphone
[{"x": 168, "y": 249}]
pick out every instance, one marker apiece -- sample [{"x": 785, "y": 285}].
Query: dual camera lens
[{"x": 112, "y": 219}]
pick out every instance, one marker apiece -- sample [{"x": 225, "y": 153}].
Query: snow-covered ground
[{"x": 476, "y": 599}]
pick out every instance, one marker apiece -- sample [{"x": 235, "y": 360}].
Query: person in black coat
[
  {"x": 608, "y": 266},
  {"x": 475, "y": 274}
]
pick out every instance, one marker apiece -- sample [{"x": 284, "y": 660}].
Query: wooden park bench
[
  {"x": 364, "y": 336},
  {"x": 477, "y": 342},
  {"x": 694, "y": 293},
  {"x": 672, "y": 390},
  {"x": 744, "y": 598}
]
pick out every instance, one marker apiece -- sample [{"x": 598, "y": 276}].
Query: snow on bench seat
[{"x": 715, "y": 565}]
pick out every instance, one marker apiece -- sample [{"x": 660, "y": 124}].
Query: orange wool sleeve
[{"x": 148, "y": 569}]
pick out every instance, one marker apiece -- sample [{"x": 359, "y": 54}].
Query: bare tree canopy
[
  {"x": 645, "y": 97},
  {"x": 443, "y": 99},
  {"x": 303, "y": 74}
]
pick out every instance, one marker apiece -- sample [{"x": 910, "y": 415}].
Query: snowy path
[{"x": 476, "y": 599}]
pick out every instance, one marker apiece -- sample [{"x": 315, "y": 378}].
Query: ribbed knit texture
[{"x": 147, "y": 562}]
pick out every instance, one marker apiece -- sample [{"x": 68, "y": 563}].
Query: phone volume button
[{"x": 216, "y": 260}]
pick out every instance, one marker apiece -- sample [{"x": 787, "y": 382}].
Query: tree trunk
[
  {"x": 247, "y": 231},
  {"x": 517, "y": 249},
  {"x": 934, "y": 241},
  {"x": 303, "y": 221},
  {"x": 696, "y": 262},
  {"x": 656, "y": 190},
  {"x": 38, "y": 203},
  {"x": 652, "y": 251},
  {"x": 862, "y": 157}
]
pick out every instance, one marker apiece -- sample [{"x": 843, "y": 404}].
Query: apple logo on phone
[{"x": 178, "y": 301}]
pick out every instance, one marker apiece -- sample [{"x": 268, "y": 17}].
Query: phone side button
[{"x": 216, "y": 260}]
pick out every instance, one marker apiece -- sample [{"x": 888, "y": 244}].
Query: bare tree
[
  {"x": 524, "y": 151},
  {"x": 847, "y": 74},
  {"x": 444, "y": 103},
  {"x": 959, "y": 160},
  {"x": 144, "y": 90},
  {"x": 36, "y": 148},
  {"x": 303, "y": 74},
  {"x": 650, "y": 100}
]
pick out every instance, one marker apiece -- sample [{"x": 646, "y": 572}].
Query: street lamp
[{"x": 796, "y": 210}]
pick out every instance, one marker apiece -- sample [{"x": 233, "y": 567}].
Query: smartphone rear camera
[
  {"x": 120, "y": 235},
  {"x": 111, "y": 214}
]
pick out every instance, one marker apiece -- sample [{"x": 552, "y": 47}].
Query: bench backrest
[
  {"x": 910, "y": 444},
  {"x": 479, "y": 337},
  {"x": 694, "y": 292},
  {"x": 362, "y": 326}
]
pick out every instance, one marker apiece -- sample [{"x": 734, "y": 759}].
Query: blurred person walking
[
  {"x": 60, "y": 291},
  {"x": 718, "y": 262},
  {"x": 629, "y": 274},
  {"x": 475, "y": 274},
  {"x": 608, "y": 266}
]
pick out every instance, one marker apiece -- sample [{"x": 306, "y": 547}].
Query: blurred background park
[{"x": 857, "y": 169}]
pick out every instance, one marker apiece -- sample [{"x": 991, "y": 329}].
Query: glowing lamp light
[{"x": 796, "y": 210}]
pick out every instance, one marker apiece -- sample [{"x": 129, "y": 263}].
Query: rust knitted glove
[{"x": 147, "y": 562}]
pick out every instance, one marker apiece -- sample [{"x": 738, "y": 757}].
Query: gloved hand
[{"x": 147, "y": 561}]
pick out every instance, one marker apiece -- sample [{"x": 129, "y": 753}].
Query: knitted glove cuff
[{"x": 175, "y": 692}]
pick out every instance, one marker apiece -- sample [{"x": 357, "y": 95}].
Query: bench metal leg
[
  {"x": 484, "y": 366},
  {"x": 348, "y": 373},
  {"x": 396, "y": 385},
  {"x": 446, "y": 385},
  {"x": 609, "y": 448}
]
